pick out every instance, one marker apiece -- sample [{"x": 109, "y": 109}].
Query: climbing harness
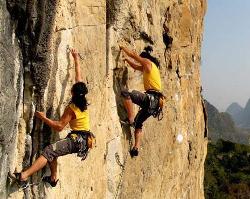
[
  {"x": 156, "y": 102},
  {"x": 123, "y": 166},
  {"x": 86, "y": 141}
]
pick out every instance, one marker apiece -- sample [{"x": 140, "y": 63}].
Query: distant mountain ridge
[
  {"x": 222, "y": 125},
  {"x": 241, "y": 116},
  {"x": 235, "y": 110}
]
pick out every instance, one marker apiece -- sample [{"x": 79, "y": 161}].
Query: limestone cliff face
[{"x": 37, "y": 73}]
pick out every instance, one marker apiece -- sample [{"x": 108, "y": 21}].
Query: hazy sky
[{"x": 226, "y": 53}]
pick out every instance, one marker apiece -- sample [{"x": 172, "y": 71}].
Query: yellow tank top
[
  {"x": 82, "y": 119},
  {"x": 152, "y": 80}
]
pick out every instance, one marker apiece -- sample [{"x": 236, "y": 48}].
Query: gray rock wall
[{"x": 11, "y": 89}]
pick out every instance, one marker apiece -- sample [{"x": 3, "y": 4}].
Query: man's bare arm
[
  {"x": 146, "y": 64},
  {"x": 57, "y": 125},
  {"x": 78, "y": 77},
  {"x": 134, "y": 65}
]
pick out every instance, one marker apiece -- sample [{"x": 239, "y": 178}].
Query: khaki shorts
[
  {"x": 141, "y": 99},
  {"x": 60, "y": 148}
]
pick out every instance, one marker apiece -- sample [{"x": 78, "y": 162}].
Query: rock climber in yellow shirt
[
  {"x": 78, "y": 141},
  {"x": 150, "y": 102}
]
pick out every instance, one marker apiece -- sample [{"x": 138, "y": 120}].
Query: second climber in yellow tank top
[
  {"x": 150, "y": 101},
  {"x": 80, "y": 139}
]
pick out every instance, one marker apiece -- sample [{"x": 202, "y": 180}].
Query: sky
[{"x": 225, "y": 67}]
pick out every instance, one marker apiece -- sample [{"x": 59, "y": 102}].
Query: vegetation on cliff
[{"x": 227, "y": 171}]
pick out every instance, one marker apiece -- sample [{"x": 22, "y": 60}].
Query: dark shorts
[
  {"x": 142, "y": 100},
  {"x": 60, "y": 148}
]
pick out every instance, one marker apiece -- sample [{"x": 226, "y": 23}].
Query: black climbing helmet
[
  {"x": 146, "y": 53},
  {"x": 79, "y": 90}
]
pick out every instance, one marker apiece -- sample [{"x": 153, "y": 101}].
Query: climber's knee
[
  {"x": 138, "y": 125},
  {"x": 141, "y": 117},
  {"x": 125, "y": 93},
  {"x": 48, "y": 153}
]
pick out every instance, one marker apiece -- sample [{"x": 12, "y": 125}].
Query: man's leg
[
  {"x": 128, "y": 104},
  {"x": 36, "y": 166},
  {"x": 50, "y": 153},
  {"x": 141, "y": 116},
  {"x": 141, "y": 100},
  {"x": 138, "y": 137},
  {"x": 130, "y": 98},
  {"x": 129, "y": 108},
  {"x": 53, "y": 169}
]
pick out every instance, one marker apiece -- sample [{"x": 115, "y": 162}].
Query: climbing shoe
[
  {"x": 48, "y": 180},
  {"x": 134, "y": 152},
  {"x": 23, "y": 184}
]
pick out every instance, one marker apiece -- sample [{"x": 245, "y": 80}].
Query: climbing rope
[{"x": 123, "y": 166}]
